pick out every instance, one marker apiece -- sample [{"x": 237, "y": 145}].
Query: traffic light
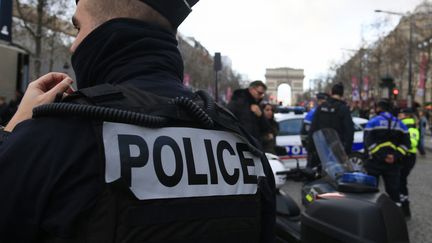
[{"x": 395, "y": 93}]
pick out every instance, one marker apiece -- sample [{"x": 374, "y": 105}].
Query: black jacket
[
  {"x": 49, "y": 181},
  {"x": 385, "y": 134},
  {"x": 334, "y": 114},
  {"x": 269, "y": 145},
  {"x": 240, "y": 104}
]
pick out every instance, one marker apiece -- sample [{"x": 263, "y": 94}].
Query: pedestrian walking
[
  {"x": 423, "y": 124},
  {"x": 387, "y": 142}
]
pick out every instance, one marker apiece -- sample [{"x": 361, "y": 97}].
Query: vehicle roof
[
  {"x": 358, "y": 120},
  {"x": 288, "y": 109},
  {"x": 285, "y": 116}
]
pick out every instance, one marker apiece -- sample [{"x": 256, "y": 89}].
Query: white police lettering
[
  {"x": 179, "y": 162},
  {"x": 383, "y": 123},
  {"x": 296, "y": 150}
]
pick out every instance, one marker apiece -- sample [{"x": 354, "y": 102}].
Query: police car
[{"x": 289, "y": 138}]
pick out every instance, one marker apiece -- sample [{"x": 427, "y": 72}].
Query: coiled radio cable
[{"x": 99, "y": 113}]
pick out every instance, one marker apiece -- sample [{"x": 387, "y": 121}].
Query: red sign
[{"x": 186, "y": 79}]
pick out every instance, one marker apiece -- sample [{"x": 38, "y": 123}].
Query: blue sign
[
  {"x": 6, "y": 20},
  {"x": 296, "y": 150},
  {"x": 357, "y": 147}
]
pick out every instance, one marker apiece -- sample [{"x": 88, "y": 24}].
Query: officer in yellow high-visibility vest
[{"x": 407, "y": 118}]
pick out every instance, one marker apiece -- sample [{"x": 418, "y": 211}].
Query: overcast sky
[{"x": 308, "y": 34}]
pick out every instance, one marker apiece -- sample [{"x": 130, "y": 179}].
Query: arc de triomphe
[{"x": 293, "y": 77}]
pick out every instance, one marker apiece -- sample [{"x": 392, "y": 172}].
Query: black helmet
[{"x": 175, "y": 11}]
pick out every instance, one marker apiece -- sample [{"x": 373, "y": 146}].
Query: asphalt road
[{"x": 420, "y": 186}]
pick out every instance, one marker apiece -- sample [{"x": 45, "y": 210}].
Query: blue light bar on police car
[{"x": 359, "y": 178}]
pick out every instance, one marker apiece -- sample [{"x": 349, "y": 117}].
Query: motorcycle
[{"x": 344, "y": 205}]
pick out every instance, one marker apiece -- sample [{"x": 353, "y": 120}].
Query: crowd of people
[
  {"x": 422, "y": 116},
  {"x": 256, "y": 116},
  {"x": 392, "y": 137}
]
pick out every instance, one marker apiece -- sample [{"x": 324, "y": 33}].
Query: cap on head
[
  {"x": 384, "y": 104},
  {"x": 337, "y": 89},
  {"x": 175, "y": 11}
]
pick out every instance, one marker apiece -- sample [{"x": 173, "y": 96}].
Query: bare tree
[
  {"x": 198, "y": 64},
  {"x": 42, "y": 20}
]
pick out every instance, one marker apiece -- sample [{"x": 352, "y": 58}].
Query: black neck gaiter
[{"x": 131, "y": 51}]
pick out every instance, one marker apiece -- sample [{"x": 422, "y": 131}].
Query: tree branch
[{"x": 26, "y": 26}]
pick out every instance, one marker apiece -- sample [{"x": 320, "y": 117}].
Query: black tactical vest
[
  {"x": 329, "y": 115},
  {"x": 190, "y": 177}
]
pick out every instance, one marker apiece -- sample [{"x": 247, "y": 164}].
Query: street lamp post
[{"x": 410, "y": 52}]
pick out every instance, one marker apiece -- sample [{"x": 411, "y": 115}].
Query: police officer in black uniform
[
  {"x": 132, "y": 156},
  {"x": 312, "y": 159},
  {"x": 387, "y": 142},
  {"x": 334, "y": 113}
]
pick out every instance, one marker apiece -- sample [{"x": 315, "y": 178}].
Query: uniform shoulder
[
  {"x": 239, "y": 93},
  {"x": 309, "y": 115},
  {"x": 55, "y": 132},
  {"x": 373, "y": 121},
  {"x": 401, "y": 125}
]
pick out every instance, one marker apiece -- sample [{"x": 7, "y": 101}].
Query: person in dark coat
[
  {"x": 335, "y": 114},
  {"x": 407, "y": 117},
  {"x": 61, "y": 182},
  {"x": 3, "y": 111},
  {"x": 269, "y": 139},
  {"x": 312, "y": 156},
  {"x": 245, "y": 106}
]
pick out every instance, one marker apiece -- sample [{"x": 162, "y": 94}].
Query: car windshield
[{"x": 290, "y": 127}]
